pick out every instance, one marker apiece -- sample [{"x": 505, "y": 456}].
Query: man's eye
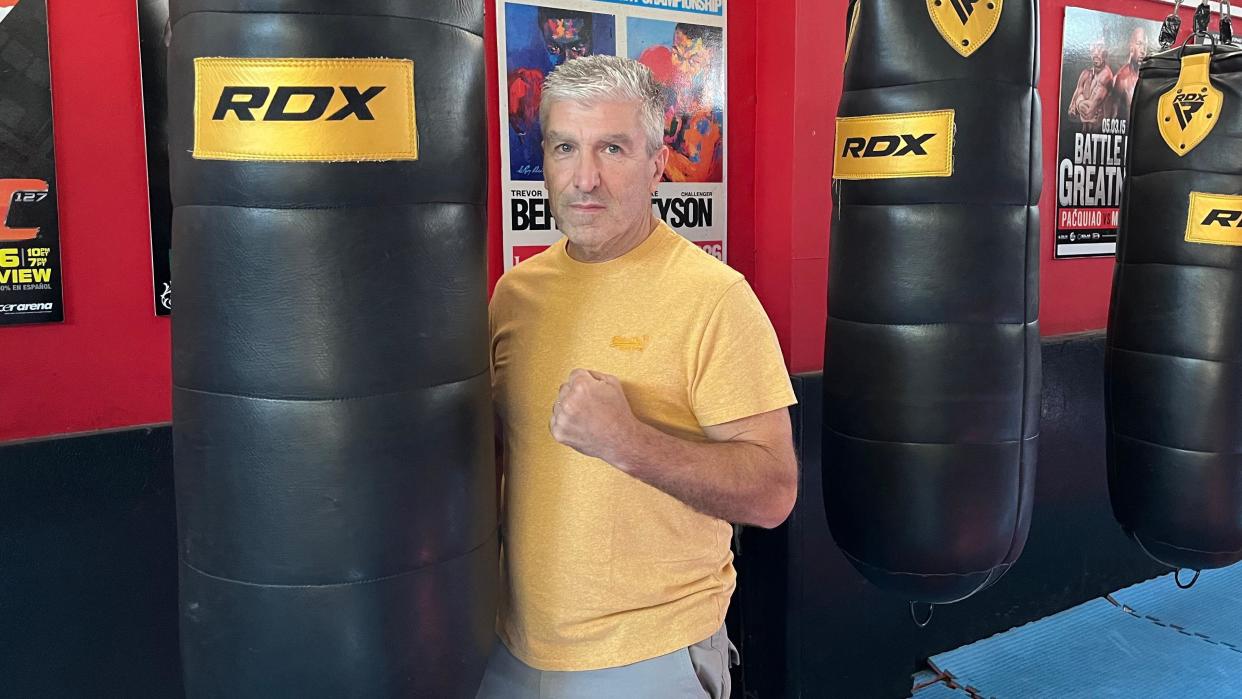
[
  {"x": 564, "y": 148},
  {"x": 614, "y": 149}
]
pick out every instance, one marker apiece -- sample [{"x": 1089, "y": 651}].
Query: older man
[{"x": 643, "y": 401}]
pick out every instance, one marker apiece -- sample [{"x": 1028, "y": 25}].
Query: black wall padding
[
  {"x": 332, "y": 414},
  {"x": 932, "y": 365},
  {"x": 1174, "y": 371},
  {"x": 88, "y": 567}
]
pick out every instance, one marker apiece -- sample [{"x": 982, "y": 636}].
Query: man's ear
[{"x": 660, "y": 160}]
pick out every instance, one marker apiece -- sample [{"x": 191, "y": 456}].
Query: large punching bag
[
  {"x": 1174, "y": 352},
  {"x": 932, "y": 367},
  {"x": 331, "y": 410}
]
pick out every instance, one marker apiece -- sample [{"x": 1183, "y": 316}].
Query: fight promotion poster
[
  {"x": 30, "y": 273},
  {"x": 682, "y": 41},
  {"x": 152, "y": 27},
  {"x": 1099, "y": 68}
]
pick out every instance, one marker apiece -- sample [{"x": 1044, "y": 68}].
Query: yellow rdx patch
[
  {"x": 1214, "y": 219},
  {"x": 913, "y": 144},
  {"x": 304, "y": 109}
]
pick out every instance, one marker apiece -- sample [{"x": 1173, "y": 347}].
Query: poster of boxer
[
  {"x": 152, "y": 22},
  {"x": 683, "y": 42},
  {"x": 30, "y": 271},
  {"x": 1099, "y": 68}
]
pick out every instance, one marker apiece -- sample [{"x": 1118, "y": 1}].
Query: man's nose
[{"x": 586, "y": 173}]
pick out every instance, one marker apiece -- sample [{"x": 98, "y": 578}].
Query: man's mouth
[{"x": 587, "y": 207}]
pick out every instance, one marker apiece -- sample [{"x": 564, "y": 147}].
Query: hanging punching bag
[
  {"x": 1174, "y": 352},
  {"x": 931, "y": 368},
  {"x": 331, "y": 417}
]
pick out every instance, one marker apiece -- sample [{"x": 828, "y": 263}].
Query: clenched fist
[{"x": 592, "y": 415}]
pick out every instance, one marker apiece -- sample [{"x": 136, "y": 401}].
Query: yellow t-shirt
[{"x": 600, "y": 569}]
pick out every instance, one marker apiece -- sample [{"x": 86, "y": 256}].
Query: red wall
[{"x": 108, "y": 364}]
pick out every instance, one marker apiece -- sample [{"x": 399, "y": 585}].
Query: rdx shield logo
[
  {"x": 964, "y": 9},
  {"x": 884, "y": 146},
  {"x": 290, "y": 103},
  {"x": 1186, "y": 106},
  {"x": 1189, "y": 110},
  {"x": 965, "y": 24}
]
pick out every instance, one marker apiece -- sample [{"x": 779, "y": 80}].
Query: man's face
[
  {"x": 1097, "y": 53},
  {"x": 597, "y": 170},
  {"x": 1138, "y": 45},
  {"x": 691, "y": 57},
  {"x": 566, "y": 39}
]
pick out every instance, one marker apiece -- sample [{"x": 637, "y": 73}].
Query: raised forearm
[{"x": 738, "y": 481}]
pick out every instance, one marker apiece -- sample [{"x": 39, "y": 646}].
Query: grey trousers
[{"x": 698, "y": 672}]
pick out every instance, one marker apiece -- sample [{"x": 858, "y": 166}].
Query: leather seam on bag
[
  {"x": 985, "y": 324},
  {"x": 347, "y": 583},
  {"x": 923, "y": 575},
  {"x": 1174, "y": 356},
  {"x": 333, "y": 399},
  {"x": 1122, "y": 435},
  {"x": 1001, "y": 443},
  {"x": 249, "y": 13}
]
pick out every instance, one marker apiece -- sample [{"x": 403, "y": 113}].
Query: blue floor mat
[
  {"x": 1210, "y": 609},
  {"x": 1095, "y": 650}
]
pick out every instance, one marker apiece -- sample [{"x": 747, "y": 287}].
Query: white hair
[{"x": 593, "y": 79}]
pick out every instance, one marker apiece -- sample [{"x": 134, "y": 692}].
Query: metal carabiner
[
  {"x": 1226, "y": 22},
  {"x": 1171, "y": 27},
  {"x": 914, "y": 614},
  {"x": 1202, "y": 20},
  {"x": 1177, "y": 578}
]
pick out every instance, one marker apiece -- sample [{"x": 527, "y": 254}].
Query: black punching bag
[
  {"x": 931, "y": 369},
  {"x": 332, "y": 417},
  {"x": 1174, "y": 353}
]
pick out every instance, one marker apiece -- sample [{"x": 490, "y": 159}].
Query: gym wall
[
  {"x": 87, "y": 522},
  {"x": 107, "y": 365}
]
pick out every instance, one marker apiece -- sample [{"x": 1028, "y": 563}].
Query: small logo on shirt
[{"x": 630, "y": 343}]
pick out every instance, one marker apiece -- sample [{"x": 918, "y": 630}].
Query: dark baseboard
[{"x": 88, "y": 566}]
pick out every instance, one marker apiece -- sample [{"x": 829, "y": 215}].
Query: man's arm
[
  {"x": 747, "y": 473},
  {"x": 1099, "y": 91}
]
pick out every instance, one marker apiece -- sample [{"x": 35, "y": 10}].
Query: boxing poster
[
  {"x": 683, "y": 42},
  {"x": 152, "y": 27},
  {"x": 30, "y": 272},
  {"x": 1099, "y": 68}
]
